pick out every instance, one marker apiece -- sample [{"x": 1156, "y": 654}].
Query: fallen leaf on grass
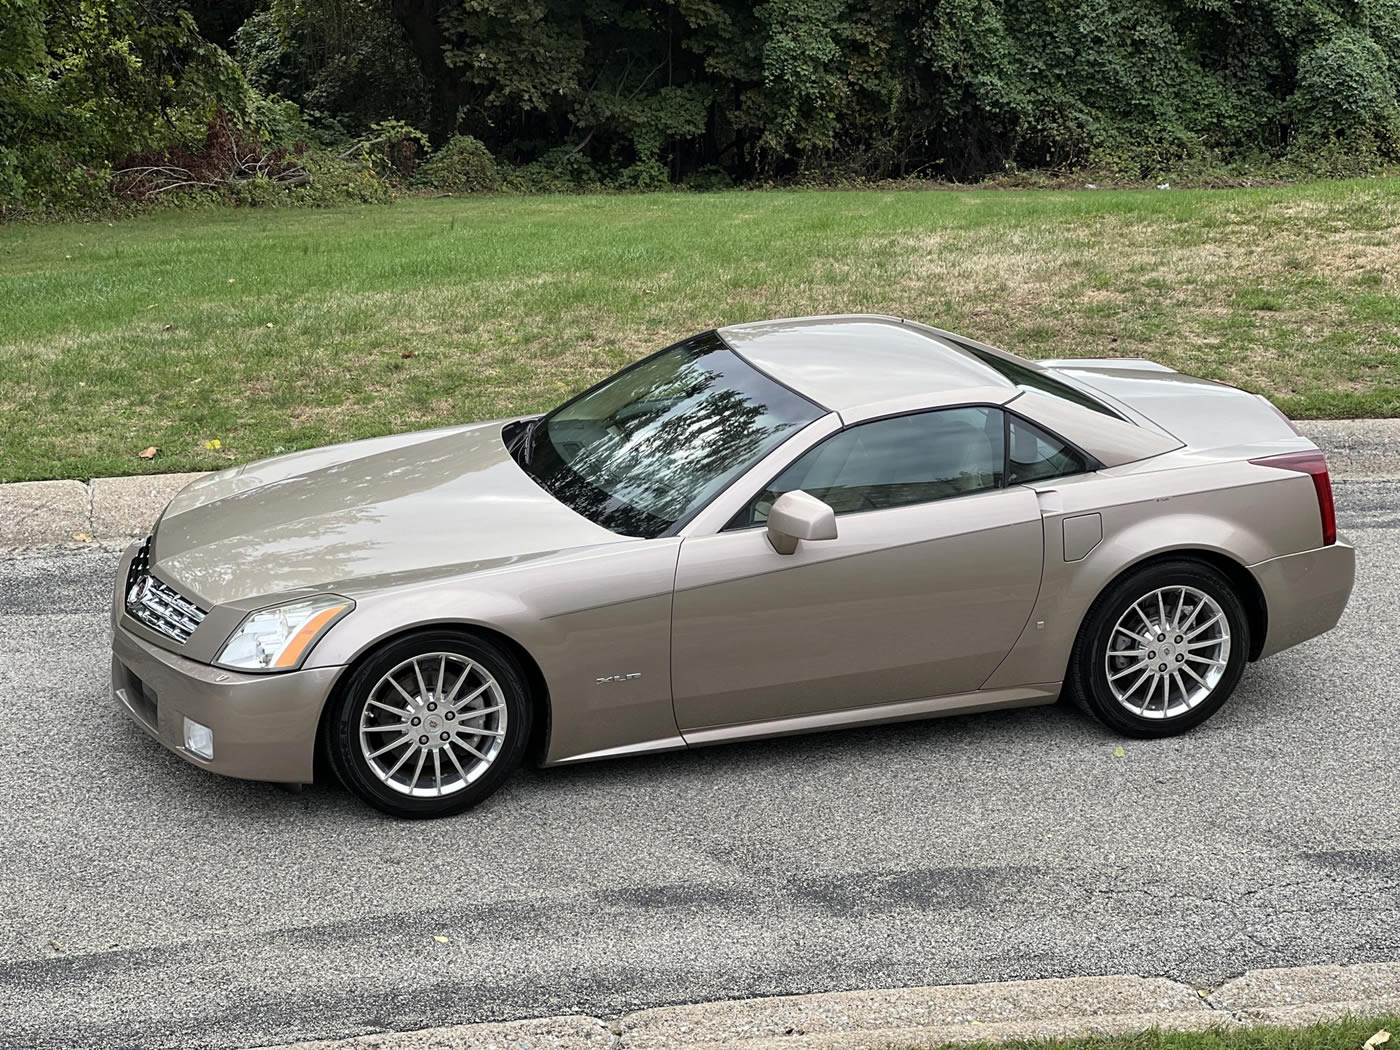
[
  {"x": 168, "y": 327},
  {"x": 440, "y": 938},
  {"x": 1376, "y": 1040},
  {"x": 268, "y": 325},
  {"x": 82, "y": 537},
  {"x": 213, "y": 443},
  {"x": 148, "y": 453}
]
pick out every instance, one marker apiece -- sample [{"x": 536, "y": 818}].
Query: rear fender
[{"x": 1247, "y": 525}]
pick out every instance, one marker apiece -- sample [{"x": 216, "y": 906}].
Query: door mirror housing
[{"x": 799, "y": 516}]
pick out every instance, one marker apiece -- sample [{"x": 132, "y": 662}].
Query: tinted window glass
[
  {"x": 1034, "y": 455},
  {"x": 1033, "y": 379},
  {"x": 648, "y": 447},
  {"x": 896, "y": 463}
]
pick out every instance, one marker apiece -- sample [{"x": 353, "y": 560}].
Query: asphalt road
[{"x": 146, "y": 903}]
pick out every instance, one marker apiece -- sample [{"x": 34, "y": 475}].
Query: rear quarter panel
[{"x": 1247, "y": 513}]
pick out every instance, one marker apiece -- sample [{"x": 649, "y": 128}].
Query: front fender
[{"x": 596, "y": 624}]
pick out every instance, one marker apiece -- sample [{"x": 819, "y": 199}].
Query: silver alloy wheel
[
  {"x": 1168, "y": 652},
  {"x": 433, "y": 725}
]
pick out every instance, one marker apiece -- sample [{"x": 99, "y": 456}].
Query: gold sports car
[{"x": 771, "y": 528}]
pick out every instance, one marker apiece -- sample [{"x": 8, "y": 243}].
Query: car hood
[{"x": 351, "y": 517}]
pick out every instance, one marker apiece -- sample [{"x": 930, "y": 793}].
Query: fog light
[{"x": 199, "y": 739}]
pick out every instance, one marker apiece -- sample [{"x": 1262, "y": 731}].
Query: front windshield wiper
[{"x": 525, "y": 446}]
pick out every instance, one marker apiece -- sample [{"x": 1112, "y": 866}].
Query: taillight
[{"x": 1315, "y": 464}]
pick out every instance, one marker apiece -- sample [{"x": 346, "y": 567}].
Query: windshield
[{"x": 644, "y": 450}]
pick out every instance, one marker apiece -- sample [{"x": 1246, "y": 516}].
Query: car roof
[{"x": 854, "y": 362}]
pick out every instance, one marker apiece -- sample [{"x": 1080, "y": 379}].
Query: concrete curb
[
  {"x": 42, "y": 514},
  {"x": 926, "y": 1017}
]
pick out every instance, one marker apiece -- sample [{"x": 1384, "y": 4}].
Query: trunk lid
[{"x": 1200, "y": 412}]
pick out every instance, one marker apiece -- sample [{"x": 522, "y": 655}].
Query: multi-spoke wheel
[
  {"x": 1161, "y": 650},
  {"x": 1168, "y": 652},
  {"x": 430, "y": 725}
]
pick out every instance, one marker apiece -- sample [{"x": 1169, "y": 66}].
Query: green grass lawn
[
  {"x": 276, "y": 330},
  {"x": 1346, "y": 1034}
]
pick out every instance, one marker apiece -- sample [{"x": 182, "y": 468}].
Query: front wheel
[
  {"x": 430, "y": 725},
  {"x": 1161, "y": 650}
]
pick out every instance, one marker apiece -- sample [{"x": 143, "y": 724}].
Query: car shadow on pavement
[{"x": 851, "y": 759}]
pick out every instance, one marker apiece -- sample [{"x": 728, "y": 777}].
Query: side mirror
[{"x": 799, "y": 516}]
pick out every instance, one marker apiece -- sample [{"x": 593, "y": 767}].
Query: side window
[
  {"x": 895, "y": 462},
  {"x": 1035, "y": 456}
]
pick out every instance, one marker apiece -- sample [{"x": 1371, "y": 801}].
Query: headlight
[{"x": 276, "y": 639}]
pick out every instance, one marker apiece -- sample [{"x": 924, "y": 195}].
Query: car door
[{"x": 928, "y": 584}]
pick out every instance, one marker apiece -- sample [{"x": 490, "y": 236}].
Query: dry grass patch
[{"x": 1135, "y": 286}]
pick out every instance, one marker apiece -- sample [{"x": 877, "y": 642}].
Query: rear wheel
[
  {"x": 1161, "y": 650},
  {"x": 430, "y": 725}
]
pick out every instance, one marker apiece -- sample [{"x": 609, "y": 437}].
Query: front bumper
[
  {"x": 264, "y": 725},
  {"x": 1305, "y": 594}
]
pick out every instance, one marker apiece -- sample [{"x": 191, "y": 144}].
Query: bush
[
  {"x": 346, "y": 62},
  {"x": 279, "y": 122},
  {"x": 11, "y": 183},
  {"x": 334, "y": 181},
  {"x": 229, "y": 158},
  {"x": 644, "y": 175},
  {"x": 708, "y": 179},
  {"x": 562, "y": 170},
  {"x": 55, "y": 183},
  {"x": 464, "y": 165},
  {"x": 1345, "y": 94},
  {"x": 391, "y": 148}
]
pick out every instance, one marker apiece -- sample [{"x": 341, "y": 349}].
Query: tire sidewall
[
  {"x": 343, "y": 742},
  {"x": 1089, "y": 673}
]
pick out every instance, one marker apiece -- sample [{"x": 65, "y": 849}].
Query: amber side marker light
[
  {"x": 306, "y": 635},
  {"x": 1314, "y": 464}
]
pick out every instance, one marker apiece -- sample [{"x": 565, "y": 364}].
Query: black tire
[
  {"x": 343, "y": 726},
  {"x": 1088, "y": 678}
]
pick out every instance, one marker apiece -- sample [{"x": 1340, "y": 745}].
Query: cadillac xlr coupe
[{"x": 765, "y": 529}]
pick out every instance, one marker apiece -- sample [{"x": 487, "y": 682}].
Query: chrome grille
[{"x": 157, "y": 605}]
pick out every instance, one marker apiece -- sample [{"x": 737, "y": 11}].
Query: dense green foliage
[
  {"x": 82, "y": 82},
  {"x": 647, "y": 93}
]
